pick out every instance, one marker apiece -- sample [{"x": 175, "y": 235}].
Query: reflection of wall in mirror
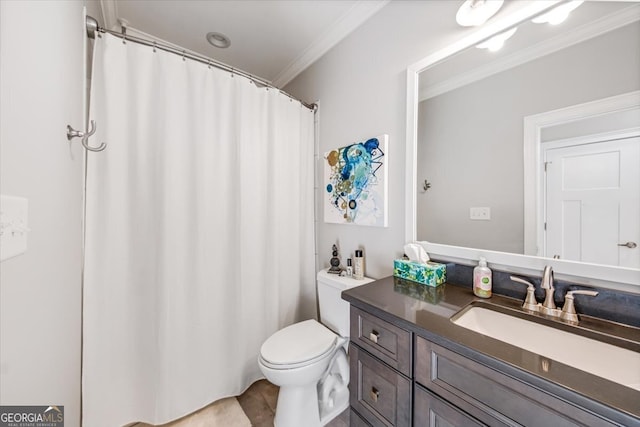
[{"x": 471, "y": 139}]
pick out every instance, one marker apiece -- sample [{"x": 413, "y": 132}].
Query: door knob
[{"x": 630, "y": 245}]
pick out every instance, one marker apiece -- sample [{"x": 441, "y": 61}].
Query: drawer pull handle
[
  {"x": 373, "y": 336},
  {"x": 374, "y": 394}
]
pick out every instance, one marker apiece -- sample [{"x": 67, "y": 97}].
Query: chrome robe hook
[{"x": 72, "y": 133}]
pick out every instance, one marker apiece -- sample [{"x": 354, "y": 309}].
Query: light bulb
[
  {"x": 496, "y": 42},
  {"x": 476, "y": 12},
  {"x": 559, "y": 14}
]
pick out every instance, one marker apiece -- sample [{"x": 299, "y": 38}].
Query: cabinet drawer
[
  {"x": 387, "y": 342},
  {"x": 494, "y": 398},
  {"x": 379, "y": 394},
  {"x": 431, "y": 411}
]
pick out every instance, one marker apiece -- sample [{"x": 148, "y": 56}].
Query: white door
[{"x": 593, "y": 202}]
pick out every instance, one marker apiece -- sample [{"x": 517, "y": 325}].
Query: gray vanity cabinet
[
  {"x": 490, "y": 396},
  {"x": 380, "y": 356},
  {"x": 441, "y": 387},
  {"x": 389, "y": 343},
  {"x": 432, "y": 411},
  {"x": 381, "y": 385},
  {"x": 412, "y": 366}
]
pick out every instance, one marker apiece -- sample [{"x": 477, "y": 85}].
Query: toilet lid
[{"x": 298, "y": 343}]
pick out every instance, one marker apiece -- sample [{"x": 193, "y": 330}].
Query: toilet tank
[{"x": 334, "y": 311}]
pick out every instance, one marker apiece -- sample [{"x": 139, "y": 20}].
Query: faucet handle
[
  {"x": 569, "y": 310},
  {"x": 570, "y": 294},
  {"x": 530, "y": 302}
]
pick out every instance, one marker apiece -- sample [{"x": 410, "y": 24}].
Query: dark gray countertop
[{"x": 427, "y": 311}]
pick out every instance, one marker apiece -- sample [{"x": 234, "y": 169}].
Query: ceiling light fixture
[
  {"x": 476, "y": 12},
  {"x": 557, "y": 14},
  {"x": 218, "y": 40},
  {"x": 496, "y": 42}
]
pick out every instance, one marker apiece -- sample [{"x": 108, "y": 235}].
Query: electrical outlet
[{"x": 480, "y": 214}]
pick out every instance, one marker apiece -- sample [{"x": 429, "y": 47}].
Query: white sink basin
[{"x": 616, "y": 364}]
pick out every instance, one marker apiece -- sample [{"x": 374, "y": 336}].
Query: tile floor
[{"x": 254, "y": 408}]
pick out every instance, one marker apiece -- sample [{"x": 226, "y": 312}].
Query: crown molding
[
  {"x": 110, "y": 14},
  {"x": 585, "y": 32},
  {"x": 360, "y": 12}
]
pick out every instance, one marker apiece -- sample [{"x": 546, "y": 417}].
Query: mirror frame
[{"x": 619, "y": 278}]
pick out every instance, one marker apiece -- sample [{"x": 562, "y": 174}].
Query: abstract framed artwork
[{"x": 355, "y": 183}]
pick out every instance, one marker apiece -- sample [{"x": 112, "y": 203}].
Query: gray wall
[
  {"x": 471, "y": 139},
  {"x": 361, "y": 87},
  {"x": 41, "y": 85}
]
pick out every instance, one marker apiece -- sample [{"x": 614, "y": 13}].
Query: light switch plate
[
  {"x": 13, "y": 226},
  {"x": 480, "y": 214}
]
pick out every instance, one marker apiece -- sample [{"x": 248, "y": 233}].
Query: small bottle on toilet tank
[
  {"x": 358, "y": 271},
  {"x": 349, "y": 268}
]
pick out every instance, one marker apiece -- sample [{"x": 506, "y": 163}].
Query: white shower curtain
[{"x": 199, "y": 233}]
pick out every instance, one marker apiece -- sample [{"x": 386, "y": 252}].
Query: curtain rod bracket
[{"x": 92, "y": 26}]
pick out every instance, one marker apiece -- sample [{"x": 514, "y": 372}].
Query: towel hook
[{"x": 72, "y": 133}]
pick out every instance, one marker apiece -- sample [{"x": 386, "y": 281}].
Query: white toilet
[{"x": 308, "y": 360}]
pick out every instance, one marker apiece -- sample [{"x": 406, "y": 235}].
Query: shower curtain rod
[{"x": 93, "y": 28}]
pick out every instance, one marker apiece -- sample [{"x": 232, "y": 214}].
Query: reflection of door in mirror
[
  {"x": 592, "y": 199},
  {"x": 470, "y": 138}
]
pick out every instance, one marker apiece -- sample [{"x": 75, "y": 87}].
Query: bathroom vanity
[{"x": 411, "y": 365}]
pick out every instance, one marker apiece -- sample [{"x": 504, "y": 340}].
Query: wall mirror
[{"x": 481, "y": 126}]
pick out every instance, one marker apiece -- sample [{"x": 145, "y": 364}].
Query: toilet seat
[{"x": 298, "y": 345}]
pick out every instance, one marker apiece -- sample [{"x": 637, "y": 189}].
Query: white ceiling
[{"x": 272, "y": 39}]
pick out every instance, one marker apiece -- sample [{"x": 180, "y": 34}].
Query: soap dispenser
[{"x": 482, "y": 279}]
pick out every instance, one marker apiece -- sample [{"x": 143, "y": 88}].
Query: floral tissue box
[{"x": 430, "y": 274}]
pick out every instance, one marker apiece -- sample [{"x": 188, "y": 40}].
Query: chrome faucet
[{"x": 549, "y": 305}]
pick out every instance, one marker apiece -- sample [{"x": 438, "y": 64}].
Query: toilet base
[
  {"x": 333, "y": 391},
  {"x": 340, "y": 404},
  {"x": 297, "y": 406}
]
